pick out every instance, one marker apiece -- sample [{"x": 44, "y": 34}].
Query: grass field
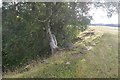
[{"x": 101, "y": 61}]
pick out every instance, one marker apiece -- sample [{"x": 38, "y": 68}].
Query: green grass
[{"x": 100, "y": 62}]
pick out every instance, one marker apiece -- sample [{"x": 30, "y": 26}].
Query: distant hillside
[{"x": 113, "y": 25}]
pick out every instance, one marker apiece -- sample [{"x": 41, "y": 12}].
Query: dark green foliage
[{"x": 24, "y": 33}]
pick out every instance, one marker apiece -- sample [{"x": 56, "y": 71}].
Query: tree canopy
[{"x": 25, "y": 32}]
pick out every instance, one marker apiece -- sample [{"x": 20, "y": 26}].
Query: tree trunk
[{"x": 52, "y": 39}]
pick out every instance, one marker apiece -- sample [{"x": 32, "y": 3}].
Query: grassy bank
[{"x": 99, "y": 61}]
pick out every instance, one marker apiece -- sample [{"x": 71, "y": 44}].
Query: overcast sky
[{"x": 99, "y": 16}]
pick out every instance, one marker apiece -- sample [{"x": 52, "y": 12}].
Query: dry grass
[{"x": 99, "y": 62}]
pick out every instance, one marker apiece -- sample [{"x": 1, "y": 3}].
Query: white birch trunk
[{"x": 52, "y": 39}]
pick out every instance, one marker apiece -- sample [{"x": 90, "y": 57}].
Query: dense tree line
[
  {"x": 30, "y": 27},
  {"x": 25, "y": 26}
]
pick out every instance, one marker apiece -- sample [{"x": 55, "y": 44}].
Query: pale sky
[{"x": 100, "y": 16}]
